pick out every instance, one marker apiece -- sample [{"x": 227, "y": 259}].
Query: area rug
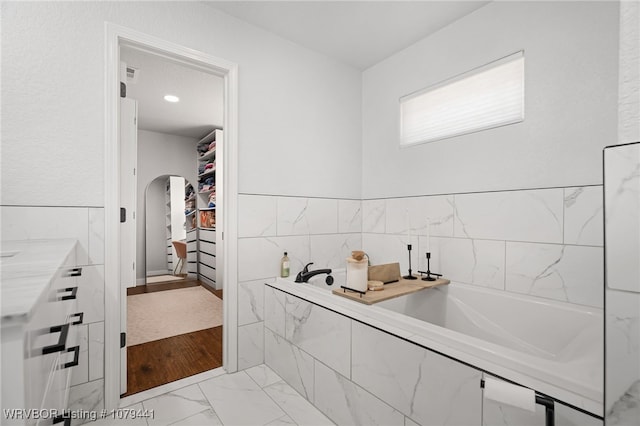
[
  {"x": 161, "y": 314},
  {"x": 163, "y": 279}
]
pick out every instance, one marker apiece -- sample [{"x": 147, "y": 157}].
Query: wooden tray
[{"x": 390, "y": 291}]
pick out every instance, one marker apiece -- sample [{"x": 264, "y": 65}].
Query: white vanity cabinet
[{"x": 39, "y": 320}]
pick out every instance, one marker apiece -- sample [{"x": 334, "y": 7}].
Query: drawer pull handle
[
  {"x": 80, "y": 316},
  {"x": 76, "y": 357},
  {"x": 75, "y": 272},
  {"x": 62, "y": 340},
  {"x": 72, "y": 296}
]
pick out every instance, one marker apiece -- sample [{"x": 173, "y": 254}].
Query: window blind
[{"x": 484, "y": 98}]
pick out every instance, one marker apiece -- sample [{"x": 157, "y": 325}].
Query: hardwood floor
[{"x": 163, "y": 361}]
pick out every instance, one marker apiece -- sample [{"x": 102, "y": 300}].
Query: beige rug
[
  {"x": 163, "y": 278},
  {"x": 161, "y": 314}
]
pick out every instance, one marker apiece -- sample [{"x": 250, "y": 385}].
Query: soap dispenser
[{"x": 284, "y": 266}]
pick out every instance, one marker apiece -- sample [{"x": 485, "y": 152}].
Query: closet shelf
[
  {"x": 210, "y": 172},
  {"x": 208, "y": 155}
]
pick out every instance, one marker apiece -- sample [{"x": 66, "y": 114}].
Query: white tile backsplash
[
  {"x": 302, "y": 216},
  {"x": 583, "y": 218},
  {"x": 479, "y": 262},
  {"x": 96, "y": 236},
  {"x": 31, "y": 223},
  {"x": 373, "y": 216},
  {"x": 251, "y": 301},
  {"x": 259, "y": 258},
  {"x": 567, "y": 273},
  {"x": 531, "y": 215},
  {"x": 432, "y": 214},
  {"x": 331, "y": 250},
  {"x": 250, "y": 345},
  {"x": 257, "y": 216},
  {"x": 349, "y": 216}
]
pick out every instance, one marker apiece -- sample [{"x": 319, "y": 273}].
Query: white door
[{"x": 128, "y": 196}]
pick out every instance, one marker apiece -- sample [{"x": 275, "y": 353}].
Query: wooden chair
[{"x": 181, "y": 252}]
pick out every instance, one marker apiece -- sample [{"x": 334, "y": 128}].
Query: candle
[{"x": 428, "y": 235}]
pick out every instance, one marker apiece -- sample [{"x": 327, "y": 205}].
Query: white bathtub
[{"x": 553, "y": 347}]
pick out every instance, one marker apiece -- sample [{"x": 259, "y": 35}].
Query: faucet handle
[{"x": 306, "y": 268}]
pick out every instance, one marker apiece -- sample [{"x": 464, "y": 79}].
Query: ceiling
[
  {"x": 201, "y": 95},
  {"x": 357, "y": 33}
]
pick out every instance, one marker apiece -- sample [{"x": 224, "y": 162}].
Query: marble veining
[
  {"x": 583, "y": 212},
  {"x": 251, "y": 301},
  {"x": 561, "y": 272},
  {"x": 626, "y": 410},
  {"x": 176, "y": 405},
  {"x": 373, "y": 216},
  {"x": 531, "y": 215},
  {"x": 346, "y": 403},
  {"x": 238, "y": 400},
  {"x": 291, "y": 363},
  {"x": 349, "y": 216},
  {"x": 319, "y": 332},
  {"x": 250, "y": 345},
  {"x": 300, "y": 410}
]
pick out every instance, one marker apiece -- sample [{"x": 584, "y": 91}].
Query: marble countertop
[{"x": 26, "y": 268}]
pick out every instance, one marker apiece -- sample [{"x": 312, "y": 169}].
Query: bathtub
[{"x": 553, "y": 347}]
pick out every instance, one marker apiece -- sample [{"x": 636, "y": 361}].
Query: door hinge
[
  {"x": 135, "y": 120},
  {"x": 123, "y": 215},
  {"x": 123, "y": 340},
  {"x": 134, "y": 266},
  {"x": 123, "y": 90}
]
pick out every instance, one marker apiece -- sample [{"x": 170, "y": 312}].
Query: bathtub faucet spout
[{"x": 304, "y": 275}]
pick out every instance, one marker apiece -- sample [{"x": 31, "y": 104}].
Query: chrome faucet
[{"x": 304, "y": 275}]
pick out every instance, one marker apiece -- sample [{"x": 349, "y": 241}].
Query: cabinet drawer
[
  {"x": 192, "y": 246},
  {"x": 191, "y": 236},
  {"x": 192, "y": 256},
  {"x": 208, "y": 260},
  {"x": 208, "y": 248},
  {"x": 192, "y": 268},
  {"x": 207, "y": 235},
  {"x": 208, "y": 272}
]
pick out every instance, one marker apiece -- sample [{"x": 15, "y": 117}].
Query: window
[{"x": 484, "y": 98}]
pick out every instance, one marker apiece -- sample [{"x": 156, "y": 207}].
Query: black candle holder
[
  {"x": 410, "y": 276},
  {"x": 428, "y": 272}
]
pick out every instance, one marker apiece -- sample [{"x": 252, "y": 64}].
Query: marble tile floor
[{"x": 256, "y": 396}]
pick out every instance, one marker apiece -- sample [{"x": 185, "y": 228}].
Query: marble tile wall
[
  {"x": 86, "y": 224},
  {"x": 319, "y": 230},
  {"x": 622, "y": 202},
  {"x": 544, "y": 243},
  {"x": 358, "y": 375}
]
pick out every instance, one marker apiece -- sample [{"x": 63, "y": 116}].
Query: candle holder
[
  {"x": 409, "y": 277},
  {"x": 428, "y": 272}
]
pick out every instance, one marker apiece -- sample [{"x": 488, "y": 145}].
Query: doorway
[{"x": 115, "y": 313}]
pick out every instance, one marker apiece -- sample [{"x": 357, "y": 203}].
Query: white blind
[{"x": 484, "y": 98}]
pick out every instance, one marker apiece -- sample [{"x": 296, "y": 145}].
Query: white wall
[
  {"x": 294, "y": 104},
  {"x": 571, "y": 53},
  {"x": 160, "y": 154}
]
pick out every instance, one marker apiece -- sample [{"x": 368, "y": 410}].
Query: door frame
[{"x": 116, "y": 36}]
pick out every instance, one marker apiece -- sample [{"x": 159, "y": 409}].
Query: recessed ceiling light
[{"x": 171, "y": 98}]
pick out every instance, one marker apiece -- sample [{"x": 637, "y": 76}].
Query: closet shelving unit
[
  {"x": 167, "y": 198},
  {"x": 206, "y": 219}
]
